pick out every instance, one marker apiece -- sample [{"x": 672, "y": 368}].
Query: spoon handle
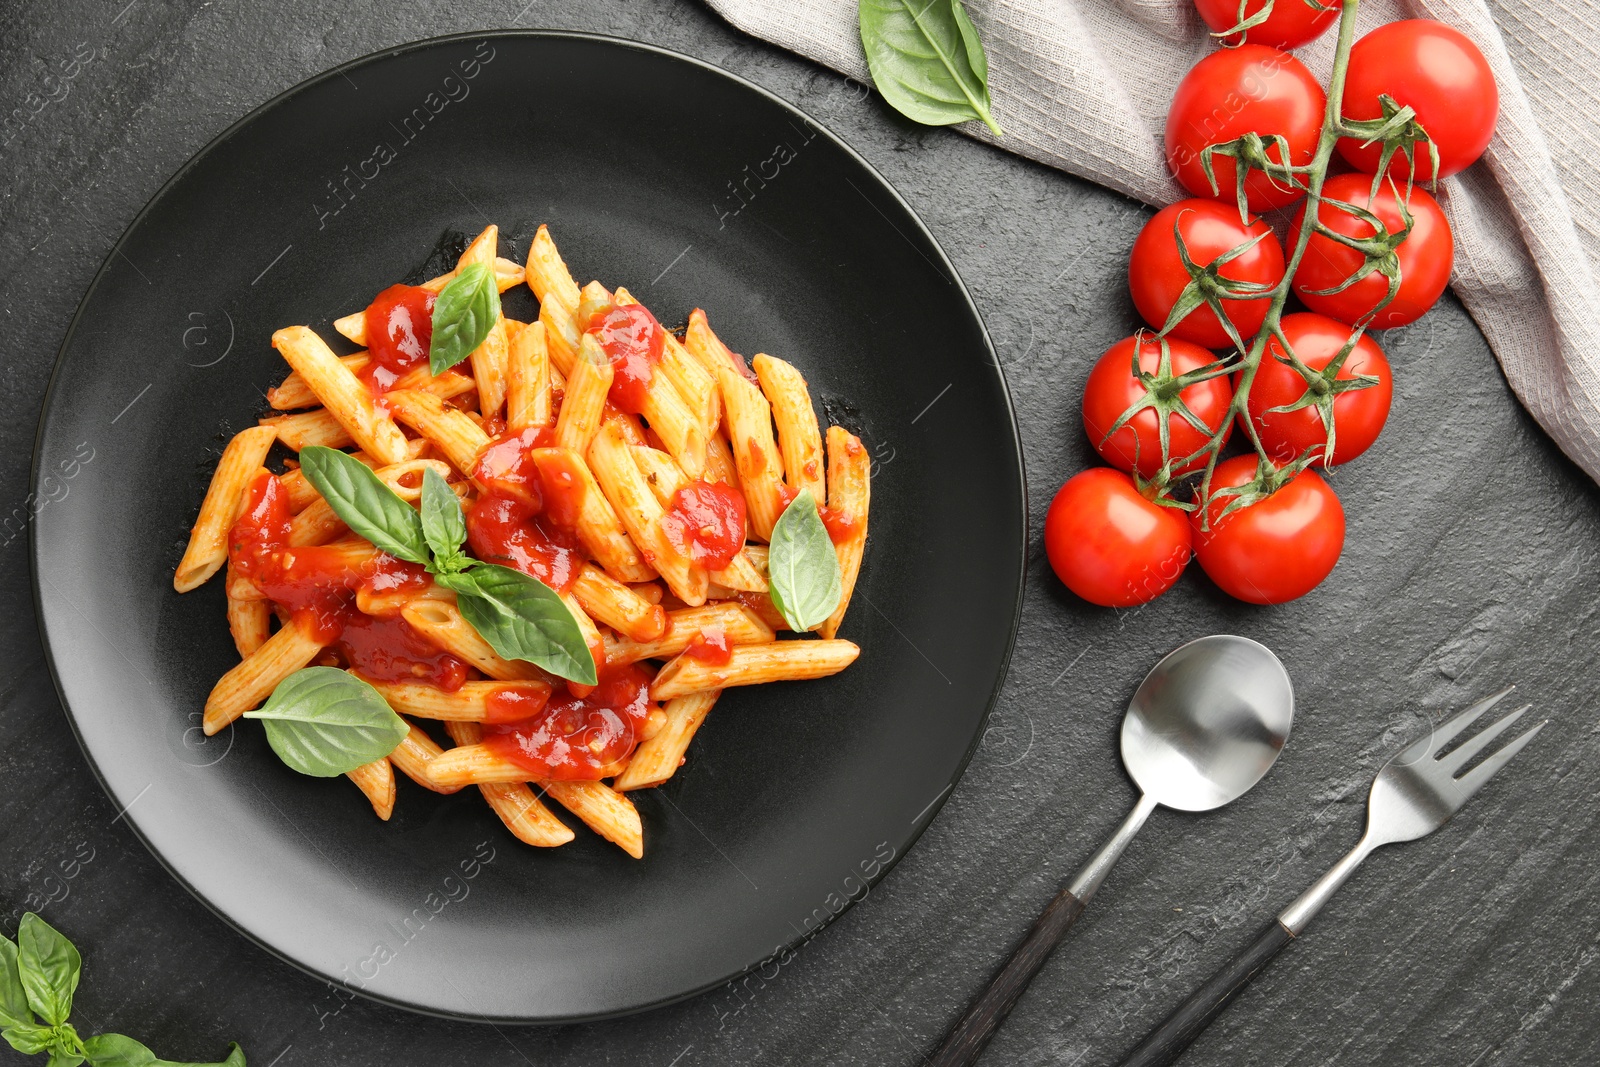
[{"x": 966, "y": 1040}]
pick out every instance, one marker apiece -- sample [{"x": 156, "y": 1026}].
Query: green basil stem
[{"x": 1317, "y": 171}]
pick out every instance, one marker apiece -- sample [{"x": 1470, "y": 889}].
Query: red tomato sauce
[
  {"x": 399, "y": 330},
  {"x": 316, "y": 584},
  {"x": 578, "y": 738},
  {"x": 710, "y": 645},
  {"x": 633, "y": 340},
  {"x": 516, "y": 701},
  {"x": 706, "y": 523},
  {"x": 532, "y": 499}
]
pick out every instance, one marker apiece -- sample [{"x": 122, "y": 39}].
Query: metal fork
[{"x": 1413, "y": 795}]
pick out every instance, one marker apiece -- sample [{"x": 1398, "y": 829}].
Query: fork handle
[{"x": 1167, "y": 1042}]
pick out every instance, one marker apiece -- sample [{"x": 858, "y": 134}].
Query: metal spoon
[{"x": 1204, "y": 726}]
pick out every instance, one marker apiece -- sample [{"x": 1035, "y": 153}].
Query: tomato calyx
[
  {"x": 1397, "y": 130},
  {"x": 1249, "y": 153},
  {"x": 1207, "y": 285},
  {"x": 1269, "y": 478},
  {"x": 1322, "y": 388},
  {"x": 1380, "y": 253},
  {"x": 1163, "y": 394}
]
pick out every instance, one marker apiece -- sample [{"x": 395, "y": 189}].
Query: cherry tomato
[
  {"x": 1156, "y": 276},
  {"x": 1112, "y": 389},
  {"x": 1110, "y": 545},
  {"x": 1425, "y": 255},
  {"x": 1445, "y": 80},
  {"x": 1291, "y": 24},
  {"x": 1249, "y": 89},
  {"x": 1358, "y": 414},
  {"x": 1276, "y": 549}
]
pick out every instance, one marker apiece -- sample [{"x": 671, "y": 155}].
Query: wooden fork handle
[
  {"x": 966, "y": 1040},
  {"x": 1167, "y": 1041}
]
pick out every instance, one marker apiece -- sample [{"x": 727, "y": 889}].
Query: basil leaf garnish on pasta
[
  {"x": 803, "y": 568},
  {"x": 370, "y": 508},
  {"x": 522, "y": 618},
  {"x": 443, "y": 524},
  {"x": 323, "y": 721},
  {"x": 463, "y": 316}
]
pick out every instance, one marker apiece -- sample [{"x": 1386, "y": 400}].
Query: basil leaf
[
  {"x": 29, "y": 1038},
  {"x": 115, "y": 1050},
  {"x": 48, "y": 966},
  {"x": 62, "y": 1058},
  {"x": 457, "y": 582},
  {"x": 14, "y": 1010},
  {"x": 927, "y": 61},
  {"x": 370, "y": 508},
  {"x": 462, "y": 316},
  {"x": 522, "y": 618},
  {"x": 443, "y": 524},
  {"x": 323, "y": 722},
  {"x": 802, "y": 566}
]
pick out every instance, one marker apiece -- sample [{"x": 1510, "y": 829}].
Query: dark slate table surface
[{"x": 1470, "y": 563}]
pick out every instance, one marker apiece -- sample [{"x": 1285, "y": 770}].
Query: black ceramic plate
[{"x": 693, "y": 188}]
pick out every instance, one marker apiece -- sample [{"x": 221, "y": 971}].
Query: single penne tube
[
  {"x": 659, "y": 757},
  {"x": 293, "y": 392},
  {"x": 317, "y": 524},
  {"x": 798, "y": 437},
  {"x": 603, "y": 810},
  {"x": 561, "y": 334},
  {"x": 456, "y": 437},
  {"x": 302, "y": 494},
  {"x": 603, "y": 535},
  {"x": 777, "y": 661},
  {"x": 749, "y": 421},
  {"x": 591, "y": 637},
  {"x": 741, "y": 576},
  {"x": 443, "y": 385},
  {"x": 253, "y": 680},
  {"x": 679, "y": 428},
  {"x": 249, "y": 620},
  {"x": 528, "y": 397},
  {"x": 583, "y": 406},
  {"x": 475, "y": 764},
  {"x": 693, "y": 382},
  {"x": 386, "y": 604},
  {"x": 720, "y": 465},
  {"x": 736, "y": 624},
  {"x": 609, "y": 601},
  {"x": 207, "y": 550},
  {"x": 849, "y": 490},
  {"x": 707, "y": 348},
  {"x": 527, "y": 819},
  {"x": 547, "y": 273},
  {"x": 306, "y": 428},
  {"x": 473, "y": 702},
  {"x": 611, "y": 460},
  {"x": 341, "y": 393},
  {"x": 665, "y": 478},
  {"x": 353, "y": 326},
  {"x": 376, "y": 780},
  {"x": 440, "y": 621},
  {"x": 413, "y": 755}
]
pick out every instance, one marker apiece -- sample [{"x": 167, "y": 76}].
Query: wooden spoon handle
[{"x": 966, "y": 1039}]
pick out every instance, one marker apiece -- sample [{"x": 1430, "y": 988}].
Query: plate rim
[{"x": 390, "y": 52}]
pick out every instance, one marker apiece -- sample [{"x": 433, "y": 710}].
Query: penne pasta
[
  {"x": 799, "y": 440},
  {"x": 458, "y": 439},
  {"x": 528, "y": 401},
  {"x": 659, "y": 757},
  {"x": 779, "y": 661},
  {"x": 720, "y": 465},
  {"x": 207, "y": 550},
  {"x": 692, "y": 381},
  {"x": 341, "y": 393},
  {"x": 306, "y": 428},
  {"x": 611, "y": 460},
  {"x": 376, "y": 780},
  {"x": 474, "y": 702},
  {"x": 515, "y": 804},
  {"x": 583, "y": 406},
  {"x": 254, "y": 679},
  {"x": 609, "y": 601},
  {"x": 388, "y": 603},
  {"x": 665, "y": 478},
  {"x": 735, "y": 623},
  {"x": 849, "y": 490},
  {"x": 441, "y": 622},
  {"x": 475, "y": 764},
  {"x": 293, "y": 392},
  {"x": 249, "y": 619},
  {"x": 603, "y": 810},
  {"x": 760, "y": 464},
  {"x": 413, "y": 755},
  {"x": 547, "y": 273}
]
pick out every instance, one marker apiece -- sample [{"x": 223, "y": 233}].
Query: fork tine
[
  {"x": 1442, "y": 734},
  {"x": 1476, "y": 744},
  {"x": 1474, "y": 779}
]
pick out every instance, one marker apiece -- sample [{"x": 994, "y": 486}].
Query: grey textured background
[{"x": 1470, "y": 563}]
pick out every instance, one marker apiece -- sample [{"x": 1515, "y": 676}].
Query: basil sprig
[
  {"x": 463, "y": 315},
  {"x": 39, "y": 974},
  {"x": 325, "y": 722},
  {"x": 370, "y": 508},
  {"x": 803, "y": 567},
  {"x": 520, "y": 616},
  {"x": 927, "y": 61}
]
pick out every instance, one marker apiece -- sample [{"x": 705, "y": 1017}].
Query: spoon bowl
[{"x": 1207, "y": 722}]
